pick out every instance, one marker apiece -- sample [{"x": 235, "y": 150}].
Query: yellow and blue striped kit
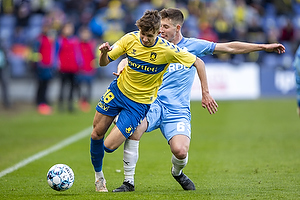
[{"x": 143, "y": 74}]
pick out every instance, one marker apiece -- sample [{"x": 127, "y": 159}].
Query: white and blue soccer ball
[{"x": 60, "y": 177}]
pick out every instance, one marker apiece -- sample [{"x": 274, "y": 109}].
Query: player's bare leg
[
  {"x": 114, "y": 139},
  {"x": 179, "y": 145}
]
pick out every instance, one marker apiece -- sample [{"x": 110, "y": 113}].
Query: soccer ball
[{"x": 60, "y": 177}]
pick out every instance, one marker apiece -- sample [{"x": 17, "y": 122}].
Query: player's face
[
  {"x": 168, "y": 29},
  {"x": 68, "y": 30},
  {"x": 148, "y": 38}
]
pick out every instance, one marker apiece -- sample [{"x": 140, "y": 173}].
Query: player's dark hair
[
  {"x": 173, "y": 14},
  {"x": 150, "y": 21}
]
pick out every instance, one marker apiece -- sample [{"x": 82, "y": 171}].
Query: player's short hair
[
  {"x": 149, "y": 22},
  {"x": 173, "y": 14}
]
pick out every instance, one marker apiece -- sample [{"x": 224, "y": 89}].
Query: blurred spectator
[
  {"x": 23, "y": 13},
  {"x": 192, "y": 19},
  {"x": 255, "y": 32},
  {"x": 3, "y": 77},
  {"x": 57, "y": 17},
  {"x": 160, "y": 4},
  {"x": 19, "y": 54},
  {"x": 113, "y": 33},
  {"x": 108, "y": 22},
  {"x": 69, "y": 59},
  {"x": 41, "y": 6},
  {"x": 287, "y": 32},
  {"x": 224, "y": 28},
  {"x": 97, "y": 25},
  {"x": 207, "y": 32},
  {"x": 7, "y": 6},
  {"x": 44, "y": 55},
  {"x": 129, "y": 18},
  {"x": 87, "y": 70},
  {"x": 240, "y": 16},
  {"x": 283, "y": 7},
  {"x": 259, "y": 21}
]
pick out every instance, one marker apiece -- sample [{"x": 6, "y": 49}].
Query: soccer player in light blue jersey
[
  {"x": 296, "y": 65},
  {"x": 129, "y": 96},
  {"x": 171, "y": 110}
]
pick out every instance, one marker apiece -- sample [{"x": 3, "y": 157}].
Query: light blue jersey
[
  {"x": 296, "y": 65},
  {"x": 171, "y": 110},
  {"x": 175, "y": 90}
]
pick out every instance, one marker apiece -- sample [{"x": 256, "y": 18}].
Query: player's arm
[
  {"x": 207, "y": 100},
  {"x": 104, "y": 49},
  {"x": 244, "y": 47},
  {"x": 121, "y": 66}
]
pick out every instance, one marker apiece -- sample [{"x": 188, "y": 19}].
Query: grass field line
[{"x": 45, "y": 152}]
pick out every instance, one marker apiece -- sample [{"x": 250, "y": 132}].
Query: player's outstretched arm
[
  {"x": 207, "y": 100},
  {"x": 244, "y": 47},
  {"x": 103, "y": 59}
]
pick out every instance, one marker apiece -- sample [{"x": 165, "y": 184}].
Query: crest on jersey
[
  {"x": 153, "y": 56},
  {"x": 129, "y": 130},
  {"x": 133, "y": 51}
]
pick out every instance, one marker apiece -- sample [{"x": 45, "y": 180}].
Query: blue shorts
[
  {"x": 131, "y": 113},
  {"x": 170, "y": 122}
]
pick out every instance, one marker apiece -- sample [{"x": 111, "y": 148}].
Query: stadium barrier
[{"x": 245, "y": 81}]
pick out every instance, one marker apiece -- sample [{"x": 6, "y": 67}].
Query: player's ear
[{"x": 178, "y": 27}]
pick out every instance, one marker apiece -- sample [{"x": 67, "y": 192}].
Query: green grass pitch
[{"x": 248, "y": 150}]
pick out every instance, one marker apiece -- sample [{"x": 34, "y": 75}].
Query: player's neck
[{"x": 178, "y": 38}]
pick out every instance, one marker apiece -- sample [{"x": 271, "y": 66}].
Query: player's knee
[
  {"x": 180, "y": 153},
  {"x": 108, "y": 150},
  {"x": 95, "y": 136},
  {"x": 97, "y": 133}
]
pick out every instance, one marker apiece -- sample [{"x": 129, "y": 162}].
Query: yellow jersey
[{"x": 143, "y": 74}]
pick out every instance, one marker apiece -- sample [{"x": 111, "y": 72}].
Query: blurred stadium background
[{"x": 249, "y": 76}]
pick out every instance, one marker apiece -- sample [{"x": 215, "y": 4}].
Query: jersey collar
[{"x": 149, "y": 46}]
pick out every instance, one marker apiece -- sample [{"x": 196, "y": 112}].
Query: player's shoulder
[
  {"x": 196, "y": 41},
  {"x": 168, "y": 46},
  {"x": 133, "y": 34}
]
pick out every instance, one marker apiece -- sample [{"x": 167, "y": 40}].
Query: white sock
[
  {"x": 99, "y": 175},
  {"x": 130, "y": 158},
  {"x": 178, "y": 165}
]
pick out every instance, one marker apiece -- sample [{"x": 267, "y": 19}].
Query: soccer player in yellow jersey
[{"x": 131, "y": 94}]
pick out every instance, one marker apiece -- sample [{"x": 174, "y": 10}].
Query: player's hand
[
  {"x": 278, "y": 48},
  {"x": 105, "y": 47},
  {"x": 209, "y": 103},
  {"x": 118, "y": 73}
]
